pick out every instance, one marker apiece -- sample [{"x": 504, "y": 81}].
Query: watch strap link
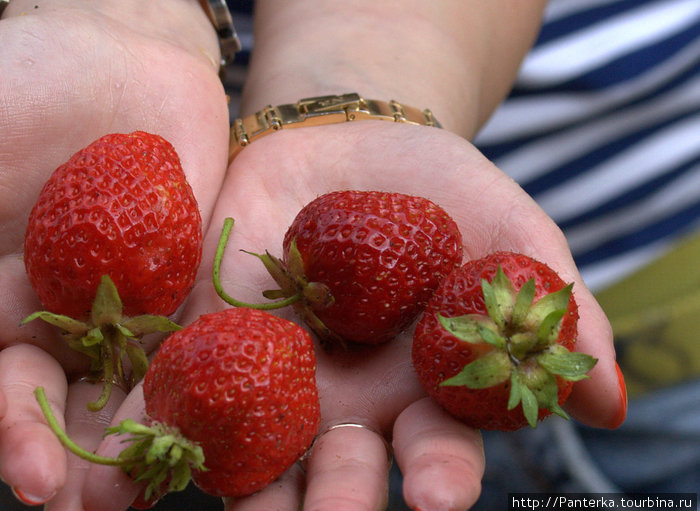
[
  {"x": 218, "y": 13},
  {"x": 323, "y": 110}
]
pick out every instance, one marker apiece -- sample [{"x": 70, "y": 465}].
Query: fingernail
[
  {"x": 29, "y": 499},
  {"x": 620, "y": 417}
]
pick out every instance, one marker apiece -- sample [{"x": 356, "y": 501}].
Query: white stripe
[
  {"x": 531, "y": 115},
  {"x": 541, "y": 156},
  {"x": 557, "y": 9},
  {"x": 569, "y": 56},
  {"x": 649, "y": 158},
  {"x": 669, "y": 200}
]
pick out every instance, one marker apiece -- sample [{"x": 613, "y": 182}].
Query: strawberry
[
  {"x": 118, "y": 216},
  {"x": 360, "y": 266},
  {"x": 231, "y": 402},
  {"x": 119, "y": 207},
  {"x": 494, "y": 346}
]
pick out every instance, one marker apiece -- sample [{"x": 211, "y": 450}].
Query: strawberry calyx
[
  {"x": 295, "y": 289},
  {"x": 106, "y": 336},
  {"x": 158, "y": 455},
  {"x": 523, "y": 334}
]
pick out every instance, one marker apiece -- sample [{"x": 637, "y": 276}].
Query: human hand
[
  {"x": 441, "y": 459},
  {"x": 375, "y": 386},
  {"x": 72, "y": 73}
]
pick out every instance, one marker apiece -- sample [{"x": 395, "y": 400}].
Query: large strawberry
[
  {"x": 494, "y": 346},
  {"x": 118, "y": 216},
  {"x": 231, "y": 401},
  {"x": 362, "y": 265}
]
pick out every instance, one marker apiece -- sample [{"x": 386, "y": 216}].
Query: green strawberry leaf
[
  {"x": 181, "y": 476},
  {"x": 463, "y": 328},
  {"x": 558, "y": 410},
  {"x": 529, "y": 404},
  {"x": 295, "y": 263},
  {"x": 65, "y": 323},
  {"x": 491, "y": 337},
  {"x": 273, "y": 294},
  {"x": 499, "y": 298},
  {"x": 93, "y": 338},
  {"x": 558, "y": 300},
  {"x": 548, "y": 396},
  {"x": 473, "y": 328},
  {"x": 543, "y": 386},
  {"x": 569, "y": 365},
  {"x": 124, "y": 332},
  {"x": 515, "y": 391},
  {"x": 523, "y": 302},
  {"x": 107, "y": 306},
  {"x": 145, "y": 324},
  {"x": 138, "y": 359},
  {"x": 491, "y": 369},
  {"x": 548, "y": 331}
]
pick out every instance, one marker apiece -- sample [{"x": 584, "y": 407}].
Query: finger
[
  {"x": 284, "y": 493},
  {"x": 104, "y": 480},
  {"x": 601, "y": 399},
  {"x": 17, "y": 301},
  {"x": 441, "y": 459},
  {"x": 86, "y": 428},
  {"x": 348, "y": 469},
  {"x": 32, "y": 460}
]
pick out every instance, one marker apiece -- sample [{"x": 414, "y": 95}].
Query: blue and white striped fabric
[{"x": 603, "y": 128}]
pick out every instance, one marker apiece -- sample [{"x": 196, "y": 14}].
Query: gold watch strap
[{"x": 322, "y": 110}]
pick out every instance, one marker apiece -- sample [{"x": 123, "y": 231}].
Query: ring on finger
[{"x": 387, "y": 446}]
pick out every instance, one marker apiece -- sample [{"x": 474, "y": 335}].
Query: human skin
[{"x": 77, "y": 71}]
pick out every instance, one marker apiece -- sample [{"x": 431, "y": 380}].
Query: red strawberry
[
  {"x": 232, "y": 403},
  {"x": 119, "y": 207},
  {"x": 494, "y": 346},
  {"x": 119, "y": 215},
  {"x": 363, "y": 264}
]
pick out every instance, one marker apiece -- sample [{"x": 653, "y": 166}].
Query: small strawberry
[
  {"x": 118, "y": 216},
  {"x": 494, "y": 346},
  {"x": 360, "y": 266},
  {"x": 231, "y": 401}
]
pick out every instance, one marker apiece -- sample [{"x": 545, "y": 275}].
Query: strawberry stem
[
  {"x": 157, "y": 454},
  {"x": 216, "y": 276},
  {"x": 65, "y": 439},
  {"x": 107, "y": 377}
]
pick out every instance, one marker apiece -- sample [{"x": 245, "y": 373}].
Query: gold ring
[{"x": 387, "y": 446}]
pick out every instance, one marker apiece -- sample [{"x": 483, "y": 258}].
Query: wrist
[
  {"x": 288, "y": 65},
  {"x": 457, "y": 58}
]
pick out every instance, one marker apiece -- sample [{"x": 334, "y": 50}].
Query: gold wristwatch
[
  {"x": 219, "y": 15},
  {"x": 322, "y": 110}
]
